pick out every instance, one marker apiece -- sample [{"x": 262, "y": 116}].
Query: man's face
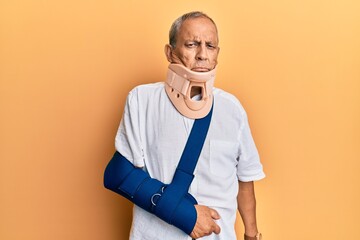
[{"x": 196, "y": 45}]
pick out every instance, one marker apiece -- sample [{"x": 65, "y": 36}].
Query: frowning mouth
[{"x": 200, "y": 69}]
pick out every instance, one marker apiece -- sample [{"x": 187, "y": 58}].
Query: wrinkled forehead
[{"x": 200, "y": 28}]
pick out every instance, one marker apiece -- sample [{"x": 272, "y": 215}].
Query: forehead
[{"x": 198, "y": 28}]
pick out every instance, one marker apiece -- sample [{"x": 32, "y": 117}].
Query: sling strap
[
  {"x": 183, "y": 176},
  {"x": 193, "y": 147}
]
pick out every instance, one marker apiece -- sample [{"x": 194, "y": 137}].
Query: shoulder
[
  {"x": 147, "y": 88},
  {"x": 145, "y": 91},
  {"x": 228, "y": 100}
]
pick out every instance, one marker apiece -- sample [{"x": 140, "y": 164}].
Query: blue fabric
[
  {"x": 194, "y": 144},
  {"x": 172, "y": 203}
]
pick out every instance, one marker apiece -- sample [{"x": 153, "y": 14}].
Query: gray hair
[{"x": 178, "y": 22}]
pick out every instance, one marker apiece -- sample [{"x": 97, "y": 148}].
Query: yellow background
[{"x": 67, "y": 66}]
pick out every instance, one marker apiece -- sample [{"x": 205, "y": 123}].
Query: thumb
[{"x": 217, "y": 229}]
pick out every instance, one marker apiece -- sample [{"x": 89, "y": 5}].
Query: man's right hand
[{"x": 205, "y": 222}]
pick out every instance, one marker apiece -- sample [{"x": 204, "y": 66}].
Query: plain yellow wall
[{"x": 66, "y": 68}]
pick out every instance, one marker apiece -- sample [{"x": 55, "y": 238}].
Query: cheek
[
  {"x": 185, "y": 55},
  {"x": 185, "y": 58},
  {"x": 214, "y": 57}
]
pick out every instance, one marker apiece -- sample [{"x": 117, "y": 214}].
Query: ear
[{"x": 168, "y": 50}]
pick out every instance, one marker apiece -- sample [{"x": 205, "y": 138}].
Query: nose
[{"x": 202, "y": 53}]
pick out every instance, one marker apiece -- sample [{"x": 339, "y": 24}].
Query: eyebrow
[{"x": 198, "y": 41}]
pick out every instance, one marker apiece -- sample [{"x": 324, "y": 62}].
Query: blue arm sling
[{"x": 170, "y": 202}]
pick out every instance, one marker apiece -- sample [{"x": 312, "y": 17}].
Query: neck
[{"x": 195, "y": 91}]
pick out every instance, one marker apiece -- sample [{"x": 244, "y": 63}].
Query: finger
[
  {"x": 217, "y": 229},
  {"x": 214, "y": 214}
]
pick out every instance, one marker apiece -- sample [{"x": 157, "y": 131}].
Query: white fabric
[{"x": 152, "y": 134}]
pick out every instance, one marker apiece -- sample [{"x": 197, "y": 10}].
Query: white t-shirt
[{"x": 153, "y": 134}]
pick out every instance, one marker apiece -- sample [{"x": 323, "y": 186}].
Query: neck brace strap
[{"x": 179, "y": 84}]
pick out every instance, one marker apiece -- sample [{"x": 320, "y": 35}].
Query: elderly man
[{"x": 186, "y": 181}]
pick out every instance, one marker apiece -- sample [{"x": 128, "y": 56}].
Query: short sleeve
[
  {"x": 128, "y": 139},
  {"x": 249, "y": 167}
]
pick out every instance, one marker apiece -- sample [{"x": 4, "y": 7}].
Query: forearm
[
  {"x": 169, "y": 202},
  {"x": 247, "y": 207}
]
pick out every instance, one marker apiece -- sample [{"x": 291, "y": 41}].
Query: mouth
[{"x": 200, "y": 69}]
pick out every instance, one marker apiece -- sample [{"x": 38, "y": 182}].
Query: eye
[
  {"x": 190, "y": 45},
  {"x": 211, "y": 46}
]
